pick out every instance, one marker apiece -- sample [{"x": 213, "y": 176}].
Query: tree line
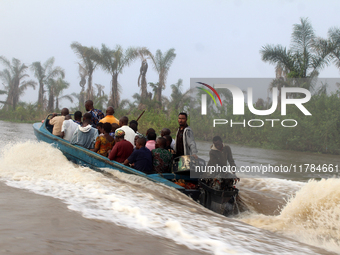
[{"x": 295, "y": 66}]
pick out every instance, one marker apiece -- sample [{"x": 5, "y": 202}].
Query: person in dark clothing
[
  {"x": 220, "y": 154},
  {"x": 168, "y": 147},
  {"x": 185, "y": 142},
  {"x": 140, "y": 159}
]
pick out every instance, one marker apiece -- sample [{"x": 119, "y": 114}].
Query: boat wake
[{"x": 137, "y": 203}]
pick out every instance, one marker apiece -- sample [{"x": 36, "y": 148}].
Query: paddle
[{"x": 140, "y": 115}]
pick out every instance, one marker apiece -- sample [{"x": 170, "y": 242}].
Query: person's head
[
  {"x": 168, "y": 139},
  {"x": 152, "y": 136},
  {"x": 123, "y": 121},
  {"x": 165, "y": 131},
  {"x": 140, "y": 142},
  {"x": 89, "y": 105},
  {"x": 114, "y": 127},
  {"x": 68, "y": 117},
  {"x": 100, "y": 128},
  {"x": 107, "y": 128},
  {"x": 182, "y": 119},
  {"x": 77, "y": 115},
  {"x": 161, "y": 142},
  {"x": 64, "y": 112},
  {"x": 110, "y": 111},
  {"x": 217, "y": 141},
  {"x": 136, "y": 137},
  {"x": 119, "y": 135},
  {"x": 150, "y": 130},
  {"x": 87, "y": 118},
  {"x": 133, "y": 125}
]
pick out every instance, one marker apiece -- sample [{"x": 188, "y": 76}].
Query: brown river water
[{"x": 51, "y": 206}]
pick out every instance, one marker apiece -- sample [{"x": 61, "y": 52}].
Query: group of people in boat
[{"x": 119, "y": 140}]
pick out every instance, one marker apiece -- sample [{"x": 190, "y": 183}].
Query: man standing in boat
[{"x": 185, "y": 142}]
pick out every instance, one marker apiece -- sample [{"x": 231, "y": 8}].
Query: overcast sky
[{"x": 212, "y": 39}]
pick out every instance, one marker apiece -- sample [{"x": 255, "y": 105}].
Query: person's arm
[
  {"x": 212, "y": 159},
  {"x": 191, "y": 143},
  {"x": 63, "y": 128},
  {"x": 230, "y": 157},
  {"x": 96, "y": 145},
  {"x": 114, "y": 152},
  {"x": 126, "y": 162}
]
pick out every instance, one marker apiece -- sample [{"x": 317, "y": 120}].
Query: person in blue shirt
[{"x": 141, "y": 158}]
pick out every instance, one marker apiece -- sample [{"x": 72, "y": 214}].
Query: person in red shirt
[{"x": 122, "y": 148}]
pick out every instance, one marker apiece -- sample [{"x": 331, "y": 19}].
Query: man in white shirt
[
  {"x": 129, "y": 132},
  {"x": 69, "y": 126}
]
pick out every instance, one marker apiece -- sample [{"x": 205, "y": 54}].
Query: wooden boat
[{"x": 180, "y": 179}]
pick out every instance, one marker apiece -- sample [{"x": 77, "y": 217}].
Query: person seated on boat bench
[
  {"x": 122, "y": 148},
  {"x": 166, "y": 131},
  {"x": 114, "y": 126},
  {"x": 105, "y": 142},
  {"x": 151, "y": 143},
  {"x": 85, "y": 135},
  {"x": 96, "y": 115},
  {"x": 161, "y": 157},
  {"x": 141, "y": 158},
  {"x": 134, "y": 126},
  {"x": 69, "y": 126},
  {"x": 129, "y": 133},
  {"x": 57, "y": 121},
  {"x": 168, "y": 147},
  {"x": 109, "y": 116}
]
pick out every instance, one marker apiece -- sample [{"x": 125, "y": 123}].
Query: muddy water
[{"x": 173, "y": 222}]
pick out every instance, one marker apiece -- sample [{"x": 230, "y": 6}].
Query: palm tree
[
  {"x": 303, "y": 59},
  {"x": 14, "y": 83},
  {"x": 162, "y": 63},
  {"x": 55, "y": 88},
  {"x": 143, "y": 53},
  {"x": 86, "y": 56},
  {"x": 179, "y": 100},
  {"x": 44, "y": 73},
  {"x": 113, "y": 62},
  {"x": 83, "y": 74}
]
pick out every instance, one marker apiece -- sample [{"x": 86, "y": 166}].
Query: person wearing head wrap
[{"x": 122, "y": 148}]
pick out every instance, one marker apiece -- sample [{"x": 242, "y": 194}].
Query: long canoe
[{"x": 82, "y": 156}]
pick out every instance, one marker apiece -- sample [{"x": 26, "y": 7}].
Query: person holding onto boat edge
[
  {"x": 57, "y": 121},
  {"x": 109, "y": 116},
  {"x": 141, "y": 158},
  {"x": 85, "y": 135},
  {"x": 122, "y": 148},
  {"x": 185, "y": 143},
  {"x": 96, "y": 115}
]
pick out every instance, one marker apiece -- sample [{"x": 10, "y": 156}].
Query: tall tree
[
  {"x": 162, "y": 63},
  {"x": 113, "y": 62},
  {"x": 143, "y": 53},
  {"x": 44, "y": 73},
  {"x": 178, "y": 99},
  {"x": 87, "y": 62},
  {"x": 83, "y": 74},
  {"x": 13, "y": 77},
  {"x": 302, "y": 60}
]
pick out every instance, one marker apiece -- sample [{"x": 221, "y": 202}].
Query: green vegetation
[{"x": 306, "y": 56}]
